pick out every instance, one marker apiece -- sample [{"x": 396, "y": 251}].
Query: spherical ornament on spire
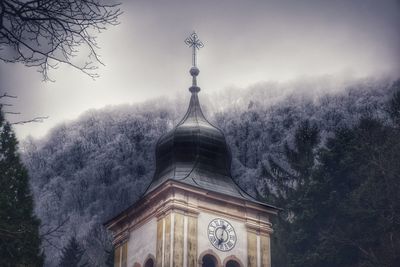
[
  {"x": 194, "y": 89},
  {"x": 194, "y": 71}
]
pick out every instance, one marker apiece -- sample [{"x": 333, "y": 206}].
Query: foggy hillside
[{"x": 86, "y": 171}]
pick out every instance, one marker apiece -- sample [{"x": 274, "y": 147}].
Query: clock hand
[{"x": 220, "y": 238}]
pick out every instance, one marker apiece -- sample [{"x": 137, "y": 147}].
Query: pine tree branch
[{"x": 11, "y": 234}]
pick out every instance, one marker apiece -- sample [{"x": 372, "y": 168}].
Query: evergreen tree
[
  {"x": 110, "y": 258},
  {"x": 394, "y": 104},
  {"x": 19, "y": 228},
  {"x": 73, "y": 255},
  {"x": 341, "y": 201},
  {"x": 283, "y": 183},
  {"x": 287, "y": 188},
  {"x": 348, "y": 215}
]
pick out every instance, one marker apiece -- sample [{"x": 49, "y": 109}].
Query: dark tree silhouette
[
  {"x": 19, "y": 228},
  {"x": 343, "y": 209},
  {"x": 394, "y": 105},
  {"x": 72, "y": 255},
  {"x": 43, "y": 33}
]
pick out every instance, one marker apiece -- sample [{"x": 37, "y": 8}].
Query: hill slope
[{"x": 88, "y": 170}]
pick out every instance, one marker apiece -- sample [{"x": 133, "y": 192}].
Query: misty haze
[{"x": 275, "y": 144}]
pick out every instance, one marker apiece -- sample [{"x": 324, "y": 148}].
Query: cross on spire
[{"x": 194, "y": 42}]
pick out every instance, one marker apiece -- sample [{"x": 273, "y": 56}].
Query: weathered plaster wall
[{"x": 142, "y": 242}]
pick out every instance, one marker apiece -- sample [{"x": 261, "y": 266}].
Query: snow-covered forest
[{"x": 86, "y": 171}]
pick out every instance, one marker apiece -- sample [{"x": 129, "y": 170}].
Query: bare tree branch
[
  {"x": 55, "y": 230},
  {"x": 43, "y": 33},
  {"x": 51, "y": 233},
  {"x": 7, "y": 95},
  {"x": 36, "y": 119}
]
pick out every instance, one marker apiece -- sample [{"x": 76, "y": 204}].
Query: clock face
[{"x": 221, "y": 234}]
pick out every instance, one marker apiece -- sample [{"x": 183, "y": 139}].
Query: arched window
[
  {"x": 149, "y": 263},
  {"x": 209, "y": 261},
  {"x": 232, "y": 263}
]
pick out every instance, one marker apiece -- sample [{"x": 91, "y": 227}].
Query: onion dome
[
  {"x": 195, "y": 152},
  {"x": 194, "y": 145}
]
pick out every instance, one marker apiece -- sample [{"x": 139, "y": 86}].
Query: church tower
[{"x": 193, "y": 214}]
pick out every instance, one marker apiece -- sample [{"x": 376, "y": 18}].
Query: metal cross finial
[{"x": 194, "y": 42}]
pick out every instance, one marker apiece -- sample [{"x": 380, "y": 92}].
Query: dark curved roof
[{"x": 195, "y": 152}]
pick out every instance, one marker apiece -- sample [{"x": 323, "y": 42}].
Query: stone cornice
[
  {"x": 121, "y": 238},
  {"x": 164, "y": 200},
  {"x": 259, "y": 227}
]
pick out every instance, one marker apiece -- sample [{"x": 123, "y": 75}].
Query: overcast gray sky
[{"x": 246, "y": 42}]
